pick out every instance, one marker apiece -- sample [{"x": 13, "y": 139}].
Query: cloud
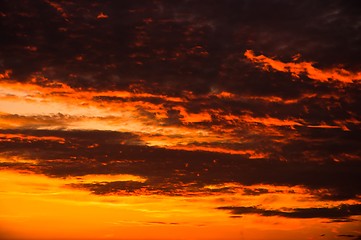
[
  {"x": 105, "y": 188},
  {"x": 296, "y": 69},
  {"x": 59, "y": 153},
  {"x": 102, "y": 15},
  {"x": 198, "y": 50},
  {"x": 337, "y": 212},
  {"x": 192, "y": 88},
  {"x": 346, "y": 235},
  {"x": 164, "y": 223},
  {"x": 255, "y": 192},
  {"x": 234, "y": 101}
]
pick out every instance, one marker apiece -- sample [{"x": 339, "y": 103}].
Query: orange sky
[
  {"x": 180, "y": 120},
  {"x": 46, "y": 208}
]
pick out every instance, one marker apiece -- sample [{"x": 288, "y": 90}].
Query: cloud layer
[{"x": 243, "y": 98}]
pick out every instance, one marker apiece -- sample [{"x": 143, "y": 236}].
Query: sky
[{"x": 188, "y": 119}]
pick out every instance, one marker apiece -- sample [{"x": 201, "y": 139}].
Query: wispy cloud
[{"x": 307, "y": 68}]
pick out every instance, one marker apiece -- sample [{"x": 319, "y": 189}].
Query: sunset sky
[{"x": 187, "y": 119}]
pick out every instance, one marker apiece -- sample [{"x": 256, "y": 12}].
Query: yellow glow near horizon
[{"x": 38, "y": 207}]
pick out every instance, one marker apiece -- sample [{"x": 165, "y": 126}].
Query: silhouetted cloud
[
  {"x": 339, "y": 212},
  {"x": 186, "y": 94},
  {"x": 75, "y": 153}
]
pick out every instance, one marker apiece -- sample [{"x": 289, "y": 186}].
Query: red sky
[{"x": 232, "y": 119}]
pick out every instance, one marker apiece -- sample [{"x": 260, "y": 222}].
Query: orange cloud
[
  {"x": 338, "y": 74},
  {"x": 193, "y": 117},
  {"x": 252, "y": 154},
  {"x": 6, "y": 74},
  {"x": 59, "y": 9},
  {"x": 57, "y": 105},
  {"x": 323, "y": 126},
  {"x": 22, "y": 137},
  {"x": 102, "y": 15},
  {"x": 267, "y": 121}
]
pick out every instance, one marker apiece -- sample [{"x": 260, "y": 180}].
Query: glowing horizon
[{"x": 180, "y": 120}]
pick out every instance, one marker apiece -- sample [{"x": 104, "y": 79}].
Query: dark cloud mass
[
  {"x": 247, "y": 92},
  {"x": 78, "y": 153},
  {"x": 339, "y": 212},
  {"x": 198, "y": 45}
]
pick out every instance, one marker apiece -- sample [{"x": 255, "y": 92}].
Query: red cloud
[{"x": 338, "y": 74}]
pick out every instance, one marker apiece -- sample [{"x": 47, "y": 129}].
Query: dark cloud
[
  {"x": 169, "y": 171},
  {"x": 199, "y": 48},
  {"x": 255, "y": 192},
  {"x": 105, "y": 188},
  {"x": 341, "y": 220},
  {"x": 82, "y": 137},
  {"x": 173, "y": 117},
  {"x": 163, "y": 223},
  {"x": 288, "y": 130},
  {"x": 187, "y": 49},
  {"x": 339, "y": 212}
]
